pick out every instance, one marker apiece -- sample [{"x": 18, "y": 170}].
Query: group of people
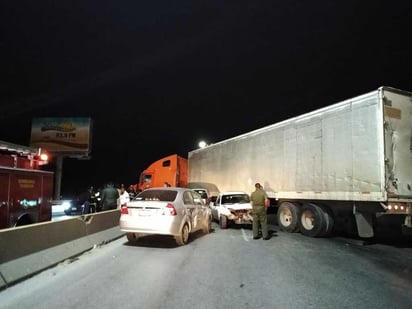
[
  {"x": 112, "y": 198},
  {"x": 107, "y": 198}
]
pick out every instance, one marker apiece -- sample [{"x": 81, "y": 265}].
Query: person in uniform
[
  {"x": 258, "y": 199},
  {"x": 110, "y": 196}
]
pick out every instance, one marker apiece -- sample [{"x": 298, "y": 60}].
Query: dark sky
[{"x": 158, "y": 76}]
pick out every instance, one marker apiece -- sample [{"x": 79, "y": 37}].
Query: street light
[{"x": 202, "y": 144}]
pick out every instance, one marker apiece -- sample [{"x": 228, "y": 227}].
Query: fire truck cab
[{"x": 26, "y": 191}]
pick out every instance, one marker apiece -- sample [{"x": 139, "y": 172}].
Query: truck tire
[
  {"x": 288, "y": 217},
  {"x": 24, "y": 220},
  {"x": 183, "y": 238},
  {"x": 329, "y": 220},
  {"x": 223, "y": 222},
  {"x": 313, "y": 222}
]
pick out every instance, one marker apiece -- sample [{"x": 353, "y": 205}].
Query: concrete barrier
[{"x": 27, "y": 250}]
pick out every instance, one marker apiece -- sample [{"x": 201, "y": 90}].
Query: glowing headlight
[{"x": 66, "y": 204}]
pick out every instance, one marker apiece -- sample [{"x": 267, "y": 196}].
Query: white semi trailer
[{"x": 350, "y": 162}]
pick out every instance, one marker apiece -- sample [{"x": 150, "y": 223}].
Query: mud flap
[
  {"x": 364, "y": 224},
  {"x": 407, "y": 226},
  {"x": 406, "y": 231}
]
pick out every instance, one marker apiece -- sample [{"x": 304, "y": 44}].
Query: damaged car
[{"x": 232, "y": 207}]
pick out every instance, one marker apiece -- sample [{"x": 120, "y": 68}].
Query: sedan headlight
[{"x": 67, "y": 204}]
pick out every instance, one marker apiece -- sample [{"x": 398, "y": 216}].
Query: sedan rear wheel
[
  {"x": 183, "y": 238},
  {"x": 132, "y": 237},
  {"x": 208, "y": 226}
]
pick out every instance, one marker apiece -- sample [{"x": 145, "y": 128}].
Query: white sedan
[{"x": 165, "y": 211}]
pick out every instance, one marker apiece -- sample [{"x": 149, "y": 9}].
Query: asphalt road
[{"x": 225, "y": 269}]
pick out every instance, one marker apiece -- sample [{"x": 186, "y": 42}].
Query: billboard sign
[{"x": 66, "y": 135}]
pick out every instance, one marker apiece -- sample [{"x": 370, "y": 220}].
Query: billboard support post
[{"x": 58, "y": 175}]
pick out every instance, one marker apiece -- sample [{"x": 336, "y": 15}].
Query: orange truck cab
[{"x": 168, "y": 171}]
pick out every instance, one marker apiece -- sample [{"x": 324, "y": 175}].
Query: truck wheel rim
[
  {"x": 286, "y": 217},
  {"x": 307, "y": 220}
]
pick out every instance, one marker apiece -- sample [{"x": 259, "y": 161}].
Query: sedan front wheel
[{"x": 223, "y": 222}]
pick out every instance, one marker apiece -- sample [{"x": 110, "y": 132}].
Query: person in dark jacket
[
  {"x": 88, "y": 200},
  {"x": 109, "y": 197}
]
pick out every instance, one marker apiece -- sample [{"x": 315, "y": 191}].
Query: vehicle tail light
[
  {"x": 170, "y": 210},
  {"x": 124, "y": 211}
]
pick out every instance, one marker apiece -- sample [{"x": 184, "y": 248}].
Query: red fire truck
[{"x": 26, "y": 191}]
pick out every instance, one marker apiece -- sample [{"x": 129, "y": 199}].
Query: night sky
[{"x": 158, "y": 76}]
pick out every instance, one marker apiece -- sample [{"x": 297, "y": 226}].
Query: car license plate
[{"x": 144, "y": 212}]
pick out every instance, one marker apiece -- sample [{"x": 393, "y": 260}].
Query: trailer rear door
[{"x": 398, "y": 139}]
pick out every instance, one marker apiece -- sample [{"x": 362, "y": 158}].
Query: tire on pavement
[
  {"x": 132, "y": 237},
  {"x": 313, "y": 220},
  {"x": 223, "y": 222},
  {"x": 183, "y": 237},
  {"x": 208, "y": 226},
  {"x": 288, "y": 215},
  {"x": 329, "y": 220}
]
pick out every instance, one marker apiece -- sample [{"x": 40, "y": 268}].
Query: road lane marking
[{"x": 245, "y": 237}]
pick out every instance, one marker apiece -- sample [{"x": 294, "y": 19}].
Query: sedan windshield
[
  {"x": 235, "y": 198},
  {"x": 157, "y": 195}
]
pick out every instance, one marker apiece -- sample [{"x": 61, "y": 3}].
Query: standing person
[
  {"x": 85, "y": 199},
  {"x": 98, "y": 196},
  {"x": 92, "y": 200},
  {"x": 109, "y": 196},
  {"x": 132, "y": 192},
  {"x": 124, "y": 196},
  {"x": 258, "y": 199}
]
